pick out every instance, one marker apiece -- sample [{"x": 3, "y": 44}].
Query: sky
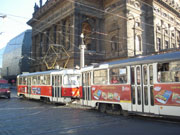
[{"x": 17, "y": 12}]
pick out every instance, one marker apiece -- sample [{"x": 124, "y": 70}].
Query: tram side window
[
  {"x": 22, "y": 80},
  {"x": 132, "y": 76},
  {"x": 38, "y": 80},
  {"x": 138, "y": 75},
  {"x": 47, "y": 80},
  {"x": 118, "y": 75},
  {"x": 57, "y": 80},
  {"x": 66, "y": 80},
  {"x": 42, "y": 82},
  {"x": 145, "y": 75},
  {"x": 100, "y": 77},
  {"x": 151, "y": 74},
  {"x": 34, "y": 80},
  {"x": 169, "y": 72},
  {"x": 86, "y": 79}
]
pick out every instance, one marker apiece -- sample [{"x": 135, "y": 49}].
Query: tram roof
[
  {"x": 63, "y": 71},
  {"x": 173, "y": 56},
  {"x": 37, "y": 73}
]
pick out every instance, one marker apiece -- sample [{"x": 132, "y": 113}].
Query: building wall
[
  {"x": 56, "y": 34},
  {"x": 166, "y": 27},
  {"x": 115, "y": 29},
  {"x": 16, "y": 56}
]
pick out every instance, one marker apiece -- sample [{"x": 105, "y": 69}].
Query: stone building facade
[{"x": 113, "y": 29}]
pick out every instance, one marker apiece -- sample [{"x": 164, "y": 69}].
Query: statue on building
[
  {"x": 36, "y": 7},
  {"x": 40, "y": 3}
]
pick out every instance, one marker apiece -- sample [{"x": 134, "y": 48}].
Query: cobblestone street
[{"x": 27, "y": 117}]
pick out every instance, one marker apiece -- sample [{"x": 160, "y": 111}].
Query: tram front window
[
  {"x": 72, "y": 80},
  {"x": 169, "y": 72}
]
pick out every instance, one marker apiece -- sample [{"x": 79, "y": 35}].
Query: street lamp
[
  {"x": 3, "y": 16},
  {"x": 134, "y": 24},
  {"x": 82, "y": 47}
]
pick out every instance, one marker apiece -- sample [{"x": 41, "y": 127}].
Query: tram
[
  {"x": 59, "y": 86},
  {"x": 145, "y": 85}
]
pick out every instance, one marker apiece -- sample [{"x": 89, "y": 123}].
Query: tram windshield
[
  {"x": 169, "y": 72},
  {"x": 71, "y": 80}
]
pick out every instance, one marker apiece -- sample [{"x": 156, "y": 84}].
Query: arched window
[
  {"x": 178, "y": 39},
  {"x": 87, "y": 30},
  {"x": 166, "y": 44},
  {"x": 138, "y": 43},
  {"x": 67, "y": 34},
  {"x": 114, "y": 43},
  {"x": 158, "y": 28},
  {"x": 159, "y": 44}
]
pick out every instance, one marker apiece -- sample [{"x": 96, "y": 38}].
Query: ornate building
[{"x": 113, "y": 29}]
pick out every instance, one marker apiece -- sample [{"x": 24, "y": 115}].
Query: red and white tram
[
  {"x": 147, "y": 85},
  {"x": 54, "y": 86}
]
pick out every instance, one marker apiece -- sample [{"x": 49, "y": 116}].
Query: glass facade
[{"x": 16, "y": 56}]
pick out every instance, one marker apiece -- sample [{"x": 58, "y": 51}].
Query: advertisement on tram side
[
  {"x": 115, "y": 93},
  {"x": 72, "y": 92},
  {"x": 22, "y": 89},
  {"x": 41, "y": 90},
  {"x": 167, "y": 94}
]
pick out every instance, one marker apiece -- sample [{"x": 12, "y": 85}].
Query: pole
[
  {"x": 3, "y": 16},
  {"x": 82, "y": 47}
]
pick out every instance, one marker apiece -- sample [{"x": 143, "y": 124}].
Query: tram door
[
  {"x": 56, "y": 87},
  {"x": 86, "y": 82},
  {"x": 142, "y": 88},
  {"x": 136, "y": 93},
  {"x": 148, "y": 81},
  {"x": 29, "y": 85}
]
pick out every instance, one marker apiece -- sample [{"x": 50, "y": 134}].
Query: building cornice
[
  {"x": 41, "y": 11},
  {"x": 171, "y": 5}
]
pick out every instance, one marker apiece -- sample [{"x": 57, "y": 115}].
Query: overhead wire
[
  {"x": 109, "y": 13},
  {"x": 76, "y": 27},
  {"x": 104, "y": 34}
]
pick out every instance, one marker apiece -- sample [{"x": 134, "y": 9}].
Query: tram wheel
[
  {"x": 117, "y": 109},
  {"x": 102, "y": 108},
  {"x": 124, "y": 113}
]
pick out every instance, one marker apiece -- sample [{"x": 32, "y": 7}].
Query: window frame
[
  {"x": 69, "y": 83},
  {"x": 102, "y": 82},
  {"x": 121, "y": 78},
  {"x": 168, "y": 73}
]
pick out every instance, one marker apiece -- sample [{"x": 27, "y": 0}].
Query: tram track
[
  {"x": 3, "y": 101},
  {"x": 50, "y": 119},
  {"x": 53, "y": 128},
  {"x": 25, "y": 118},
  {"x": 5, "y": 119},
  {"x": 65, "y": 130}
]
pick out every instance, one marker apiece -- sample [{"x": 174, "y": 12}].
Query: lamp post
[
  {"x": 82, "y": 47},
  {"x": 134, "y": 24},
  {"x": 3, "y": 16}
]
